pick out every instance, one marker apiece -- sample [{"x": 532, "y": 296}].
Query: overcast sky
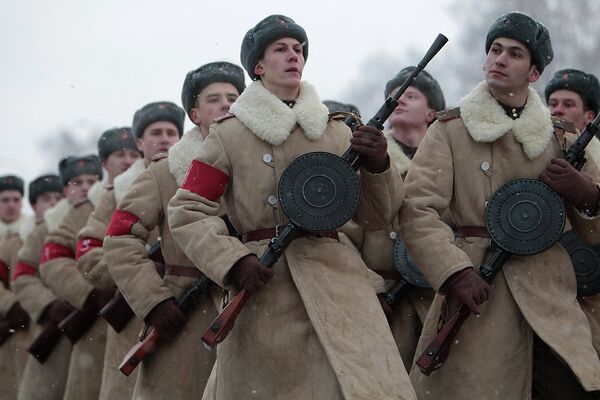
[{"x": 88, "y": 66}]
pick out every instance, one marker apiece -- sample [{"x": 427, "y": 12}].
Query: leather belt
[
  {"x": 388, "y": 274},
  {"x": 268, "y": 233},
  {"x": 472, "y": 231},
  {"x": 182, "y": 270}
]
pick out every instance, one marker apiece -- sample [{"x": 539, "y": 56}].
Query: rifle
[
  {"x": 438, "y": 350},
  {"x": 117, "y": 312},
  {"x": 222, "y": 325},
  {"x": 45, "y": 342}
]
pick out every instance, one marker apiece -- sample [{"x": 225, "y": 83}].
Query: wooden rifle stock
[
  {"x": 45, "y": 342},
  {"x": 141, "y": 349},
  {"x": 76, "y": 324},
  {"x": 117, "y": 312}
]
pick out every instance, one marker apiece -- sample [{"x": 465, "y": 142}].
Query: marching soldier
[
  {"x": 156, "y": 128},
  {"x": 502, "y": 131},
  {"x": 12, "y": 316},
  {"x": 313, "y": 327},
  {"x": 207, "y": 94}
]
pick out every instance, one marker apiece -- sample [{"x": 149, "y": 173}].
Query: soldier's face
[
  {"x": 212, "y": 102},
  {"x": 119, "y": 161},
  {"x": 10, "y": 205},
  {"x": 158, "y": 137},
  {"x": 568, "y": 105},
  {"x": 412, "y": 110},
  {"x": 79, "y": 186},
  {"x": 508, "y": 66},
  {"x": 45, "y": 201},
  {"x": 282, "y": 64}
]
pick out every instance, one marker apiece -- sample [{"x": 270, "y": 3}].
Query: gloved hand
[
  {"x": 19, "y": 319},
  {"x": 57, "y": 311},
  {"x": 467, "y": 287},
  {"x": 576, "y": 187},
  {"x": 167, "y": 319},
  {"x": 372, "y": 144},
  {"x": 387, "y": 309},
  {"x": 249, "y": 274},
  {"x": 99, "y": 297}
]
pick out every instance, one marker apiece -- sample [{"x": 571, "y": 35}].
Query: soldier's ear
[
  {"x": 430, "y": 116},
  {"x": 259, "y": 69},
  {"x": 534, "y": 74}
]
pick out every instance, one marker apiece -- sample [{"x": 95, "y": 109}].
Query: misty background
[{"x": 71, "y": 69}]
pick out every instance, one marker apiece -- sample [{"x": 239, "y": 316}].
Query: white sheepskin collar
[
  {"x": 56, "y": 214},
  {"x": 183, "y": 152},
  {"x": 273, "y": 121},
  {"x": 592, "y": 151},
  {"x": 486, "y": 120},
  {"x": 97, "y": 190},
  {"x": 396, "y": 154},
  {"x": 27, "y": 227},
  {"x": 11, "y": 228},
  {"x": 124, "y": 181}
]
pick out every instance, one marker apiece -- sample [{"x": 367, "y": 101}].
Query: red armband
[
  {"x": 85, "y": 245},
  {"x": 50, "y": 251},
  {"x": 121, "y": 223},
  {"x": 23, "y": 268},
  {"x": 205, "y": 181}
]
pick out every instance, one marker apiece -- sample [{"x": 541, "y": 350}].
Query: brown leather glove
[
  {"x": 57, "y": 311},
  {"x": 249, "y": 274},
  {"x": 468, "y": 288},
  {"x": 167, "y": 319},
  {"x": 99, "y": 297},
  {"x": 18, "y": 317},
  {"x": 576, "y": 187},
  {"x": 372, "y": 144},
  {"x": 387, "y": 309}
]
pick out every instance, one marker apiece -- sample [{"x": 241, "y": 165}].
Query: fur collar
[
  {"x": 56, "y": 214},
  {"x": 592, "y": 151},
  {"x": 273, "y": 121},
  {"x": 124, "y": 181},
  {"x": 486, "y": 120},
  {"x": 97, "y": 190},
  {"x": 12, "y": 228},
  {"x": 183, "y": 152},
  {"x": 396, "y": 154},
  {"x": 27, "y": 227}
]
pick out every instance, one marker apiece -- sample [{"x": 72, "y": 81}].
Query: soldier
[
  {"x": 335, "y": 106},
  {"x": 156, "y": 127},
  {"x": 207, "y": 94},
  {"x": 12, "y": 315},
  {"x": 574, "y": 95},
  {"x": 408, "y": 124},
  {"x": 502, "y": 131},
  {"x": 313, "y": 326}
]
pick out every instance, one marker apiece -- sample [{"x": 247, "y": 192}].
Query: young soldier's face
[
  {"x": 412, "y": 109},
  {"x": 508, "y": 66},
  {"x": 45, "y": 201},
  {"x": 10, "y": 205},
  {"x": 282, "y": 63},
  {"x": 119, "y": 161},
  {"x": 158, "y": 137},
  {"x": 212, "y": 102},
  {"x": 568, "y": 105},
  {"x": 79, "y": 186}
]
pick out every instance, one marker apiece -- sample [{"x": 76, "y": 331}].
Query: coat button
[
  {"x": 267, "y": 158},
  {"x": 393, "y": 235},
  {"x": 485, "y": 166},
  {"x": 272, "y": 200}
]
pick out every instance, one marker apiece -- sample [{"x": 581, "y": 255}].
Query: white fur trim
[
  {"x": 97, "y": 190},
  {"x": 486, "y": 120},
  {"x": 56, "y": 214},
  {"x": 12, "y": 228},
  {"x": 396, "y": 154},
  {"x": 273, "y": 121},
  {"x": 27, "y": 227},
  {"x": 183, "y": 152},
  {"x": 124, "y": 181}
]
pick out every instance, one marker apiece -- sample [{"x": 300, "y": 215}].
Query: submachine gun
[
  {"x": 318, "y": 192},
  {"x": 524, "y": 217}
]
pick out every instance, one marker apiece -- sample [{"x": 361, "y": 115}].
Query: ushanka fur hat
[
  {"x": 72, "y": 166},
  {"x": 11, "y": 182},
  {"x": 154, "y": 112},
  {"x": 584, "y": 84},
  {"x": 266, "y": 32},
  {"x": 115, "y": 139},
  {"x": 424, "y": 82},
  {"x": 44, "y": 184},
  {"x": 198, "y": 79},
  {"x": 531, "y": 33}
]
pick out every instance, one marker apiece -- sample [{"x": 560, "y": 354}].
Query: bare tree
[{"x": 68, "y": 141}]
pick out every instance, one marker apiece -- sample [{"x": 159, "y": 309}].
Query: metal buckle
[{"x": 277, "y": 228}]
